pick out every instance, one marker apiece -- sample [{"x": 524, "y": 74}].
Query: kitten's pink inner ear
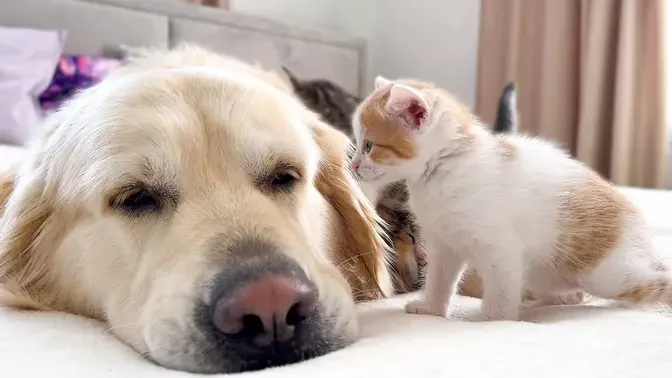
[{"x": 409, "y": 103}]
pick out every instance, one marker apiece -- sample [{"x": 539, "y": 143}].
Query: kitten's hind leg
[
  {"x": 502, "y": 282},
  {"x": 442, "y": 274}
]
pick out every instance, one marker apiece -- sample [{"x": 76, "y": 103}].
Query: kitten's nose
[{"x": 355, "y": 165}]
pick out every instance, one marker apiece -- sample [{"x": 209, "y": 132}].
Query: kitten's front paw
[{"x": 421, "y": 307}]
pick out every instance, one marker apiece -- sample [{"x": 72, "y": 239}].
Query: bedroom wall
[
  {"x": 336, "y": 15},
  {"x": 431, "y": 39}
]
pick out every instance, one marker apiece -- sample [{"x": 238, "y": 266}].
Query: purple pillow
[
  {"x": 27, "y": 61},
  {"x": 74, "y": 73}
]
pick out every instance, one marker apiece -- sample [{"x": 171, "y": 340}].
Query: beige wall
[
  {"x": 430, "y": 39},
  {"x": 320, "y": 14},
  {"x": 215, "y": 3}
]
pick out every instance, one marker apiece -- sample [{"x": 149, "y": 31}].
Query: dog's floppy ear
[
  {"x": 6, "y": 188},
  {"x": 361, "y": 252},
  {"x": 24, "y": 217}
]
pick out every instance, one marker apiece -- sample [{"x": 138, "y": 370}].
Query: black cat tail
[{"x": 507, "y": 112}]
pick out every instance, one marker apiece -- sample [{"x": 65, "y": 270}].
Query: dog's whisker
[
  {"x": 365, "y": 293},
  {"x": 354, "y": 258}
]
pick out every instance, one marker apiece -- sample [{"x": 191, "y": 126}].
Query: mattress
[{"x": 597, "y": 339}]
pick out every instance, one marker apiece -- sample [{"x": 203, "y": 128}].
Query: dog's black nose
[
  {"x": 262, "y": 299},
  {"x": 266, "y": 310}
]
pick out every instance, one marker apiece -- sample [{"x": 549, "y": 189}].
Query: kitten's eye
[
  {"x": 136, "y": 201},
  {"x": 284, "y": 180},
  {"x": 367, "y": 146}
]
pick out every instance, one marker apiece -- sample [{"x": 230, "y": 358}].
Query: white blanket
[{"x": 591, "y": 340}]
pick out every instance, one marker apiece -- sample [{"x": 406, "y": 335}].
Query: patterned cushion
[{"x": 74, "y": 73}]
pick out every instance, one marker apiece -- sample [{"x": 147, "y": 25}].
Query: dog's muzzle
[{"x": 264, "y": 311}]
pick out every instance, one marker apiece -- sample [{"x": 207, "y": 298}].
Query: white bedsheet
[{"x": 578, "y": 341}]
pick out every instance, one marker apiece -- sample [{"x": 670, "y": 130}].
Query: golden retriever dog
[{"x": 195, "y": 206}]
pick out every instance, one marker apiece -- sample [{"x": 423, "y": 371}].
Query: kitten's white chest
[{"x": 427, "y": 205}]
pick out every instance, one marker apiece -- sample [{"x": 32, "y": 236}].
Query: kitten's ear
[
  {"x": 380, "y": 82},
  {"x": 292, "y": 79},
  {"x": 410, "y": 104}
]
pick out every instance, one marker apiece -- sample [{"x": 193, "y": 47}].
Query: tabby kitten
[
  {"x": 326, "y": 98},
  {"x": 409, "y": 268}
]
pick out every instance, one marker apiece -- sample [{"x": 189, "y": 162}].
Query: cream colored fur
[{"x": 206, "y": 126}]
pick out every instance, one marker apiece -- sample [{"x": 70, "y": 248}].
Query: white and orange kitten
[{"x": 521, "y": 212}]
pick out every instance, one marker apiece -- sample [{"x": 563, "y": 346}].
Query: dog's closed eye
[
  {"x": 139, "y": 199},
  {"x": 283, "y": 178}
]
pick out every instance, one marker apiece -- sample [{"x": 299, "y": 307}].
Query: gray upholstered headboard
[{"x": 97, "y": 25}]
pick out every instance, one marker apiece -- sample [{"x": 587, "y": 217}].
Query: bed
[{"x": 595, "y": 340}]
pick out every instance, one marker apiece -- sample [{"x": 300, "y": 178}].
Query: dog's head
[{"x": 204, "y": 214}]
